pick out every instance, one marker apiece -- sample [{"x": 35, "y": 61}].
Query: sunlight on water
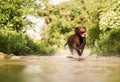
[
  {"x": 61, "y": 69},
  {"x": 33, "y": 72}
]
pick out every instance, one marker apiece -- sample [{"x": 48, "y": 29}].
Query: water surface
[{"x": 61, "y": 69}]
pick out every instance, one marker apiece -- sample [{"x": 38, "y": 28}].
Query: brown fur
[{"x": 77, "y": 41}]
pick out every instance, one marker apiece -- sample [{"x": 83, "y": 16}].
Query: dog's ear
[
  {"x": 76, "y": 29},
  {"x": 84, "y": 27}
]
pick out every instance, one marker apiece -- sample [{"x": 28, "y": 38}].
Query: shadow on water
[{"x": 61, "y": 69}]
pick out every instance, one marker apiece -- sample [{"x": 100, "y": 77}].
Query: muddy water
[{"x": 61, "y": 69}]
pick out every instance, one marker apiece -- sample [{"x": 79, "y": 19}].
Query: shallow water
[{"x": 61, "y": 69}]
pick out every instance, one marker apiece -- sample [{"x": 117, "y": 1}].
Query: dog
[{"x": 77, "y": 41}]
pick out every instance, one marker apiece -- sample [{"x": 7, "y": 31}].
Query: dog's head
[{"x": 81, "y": 31}]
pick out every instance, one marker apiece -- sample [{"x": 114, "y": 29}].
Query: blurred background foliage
[{"x": 100, "y": 17}]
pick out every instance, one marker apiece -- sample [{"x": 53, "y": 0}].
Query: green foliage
[
  {"x": 20, "y": 44},
  {"x": 109, "y": 43},
  {"x": 13, "y": 18},
  {"x": 45, "y": 48},
  {"x": 109, "y": 25},
  {"x": 12, "y": 13},
  {"x": 93, "y": 35},
  {"x": 110, "y": 19}
]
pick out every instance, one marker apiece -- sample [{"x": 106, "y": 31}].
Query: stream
[{"x": 61, "y": 69}]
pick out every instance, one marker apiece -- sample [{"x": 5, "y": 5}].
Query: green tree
[
  {"x": 13, "y": 12},
  {"x": 12, "y": 21},
  {"x": 109, "y": 25}
]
